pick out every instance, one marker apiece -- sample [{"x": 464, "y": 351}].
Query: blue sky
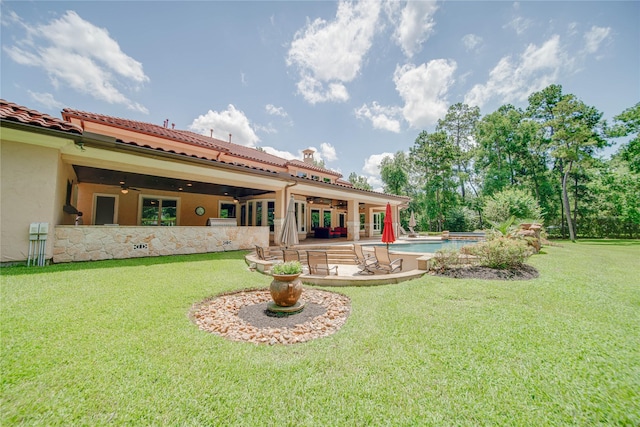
[{"x": 353, "y": 80}]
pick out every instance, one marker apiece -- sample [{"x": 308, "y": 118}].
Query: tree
[
  {"x": 359, "y": 182},
  {"x": 512, "y": 202},
  {"x": 459, "y": 126},
  {"x": 393, "y": 171},
  {"x": 576, "y": 136},
  {"x": 432, "y": 157},
  {"x": 628, "y": 123}
]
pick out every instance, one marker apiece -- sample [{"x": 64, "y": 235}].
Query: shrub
[
  {"x": 501, "y": 253},
  {"x": 445, "y": 258},
  {"x": 511, "y": 202},
  {"x": 290, "y": 267}
]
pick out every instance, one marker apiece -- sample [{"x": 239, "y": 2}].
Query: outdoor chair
[
  {"x": 364, "y": 262},
  {"x": 319, "y": 264},
  {"x": 384, "y": 261},
  {"x": 264, "y": 255},
  {"x": 402, "y": 231},
  {"x": 412, "y": 232},
  {"x": 290, "y": 255}
]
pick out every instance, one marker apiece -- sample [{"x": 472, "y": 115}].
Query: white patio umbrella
[
  {"x": 412, "y": 220},
  {"x": 289, "y": 232}
]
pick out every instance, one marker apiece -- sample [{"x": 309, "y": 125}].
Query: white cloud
[
  {"x": 371, "y": 170},
  {"x": 513, "y": 81},
  {"x": 471, "y": 41},
  {"x": 275, "y": 111},
  {"x": 594, "y": 37},
  {"x": 231, "y": 121},
  {"x": 284, "y": 154},
  {"x": 519, "y": 24},
  {"x": 572, "y": 28},
  {"x": 372, "y": 163},
  {"x": 46, "y": 99},
  {"x": 424, "y": 89},
  {"x": 414, "y": 26},
  {"x": 328, "y": 152},
  {"x": 381, "y": 117},
  {"x": 79, "y": 55},
  {"x": 329, "y": 54}
]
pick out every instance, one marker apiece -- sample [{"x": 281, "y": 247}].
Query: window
[
  {"x": 377, "y": 222},
  {"x": 227, "y": 210},
  {"x": 326, "y": 179},
  {"x": 105, "y": 210},
  {"x": 315, "y": 218},
  {"x": 243, "y": 215},
  {"x": 327, "y": 218},
  {"x": 258, "y": 213},
  {"x": 302, "y": 174},
  {"x": 315, "y": 177},
  {"x": 271, "y": 213},
  {"x": 301, "y": 217},
  {"x": 361, "y": 222},
  {"x": 159, "y": 212},
  {"x": 341, "y": 220}
]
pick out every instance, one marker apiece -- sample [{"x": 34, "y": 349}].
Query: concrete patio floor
[{"x": 414, "y": 265}]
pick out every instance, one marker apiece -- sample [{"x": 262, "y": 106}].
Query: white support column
[{"x": 353, "y": 220}]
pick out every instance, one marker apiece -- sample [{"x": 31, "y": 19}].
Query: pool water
[{"x": 427, "y": 247}]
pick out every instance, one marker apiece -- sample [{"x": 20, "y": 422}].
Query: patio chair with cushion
[
  {"x": 365, "y": 263},
  {"x": 319, "y": 264},
  {"x": 385, "y": 263}
]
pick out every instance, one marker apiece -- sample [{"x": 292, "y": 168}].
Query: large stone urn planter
[{"x": 286, "y": 289}]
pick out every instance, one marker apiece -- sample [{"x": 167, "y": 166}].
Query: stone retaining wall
[{"x": 93, "y": 242}]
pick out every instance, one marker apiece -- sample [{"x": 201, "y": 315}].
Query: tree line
[{"x": 541, "y": 163}]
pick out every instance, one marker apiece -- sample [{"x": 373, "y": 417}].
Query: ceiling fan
[{"x": 124, "y": 188}]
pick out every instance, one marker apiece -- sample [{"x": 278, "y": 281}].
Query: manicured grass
[{"x": 111, "y": 343}]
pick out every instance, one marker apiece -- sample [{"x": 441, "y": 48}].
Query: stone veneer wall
[{"x": 93, "y": 243}]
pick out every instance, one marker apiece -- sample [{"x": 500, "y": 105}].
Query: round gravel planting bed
[{"x": 243, "y": 316}]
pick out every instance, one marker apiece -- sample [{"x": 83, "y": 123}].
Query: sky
[{"x": 355, "y": 81}]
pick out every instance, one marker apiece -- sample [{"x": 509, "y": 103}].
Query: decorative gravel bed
[{"x": 242, "y": 316}]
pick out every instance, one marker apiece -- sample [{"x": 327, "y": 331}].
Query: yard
[{"x": 111, "y": 343}]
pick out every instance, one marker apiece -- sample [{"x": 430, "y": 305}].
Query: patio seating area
[{"x": 341, "y": 257}]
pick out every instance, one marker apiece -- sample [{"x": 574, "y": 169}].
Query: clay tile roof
[
  {"x": 300, "y": 163},
  {"x": 237, "y": 150},
  {"x": 18, "y": 113},
  {"x": 148, "y": 128}
]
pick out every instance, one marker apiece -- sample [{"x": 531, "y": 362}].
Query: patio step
[{"x": 335, "y": 254}]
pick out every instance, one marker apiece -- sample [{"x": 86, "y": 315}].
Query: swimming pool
[{"x": 427, "y": 247}]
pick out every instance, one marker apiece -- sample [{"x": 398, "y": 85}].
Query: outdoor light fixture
[{"x": 124, "y": 191}]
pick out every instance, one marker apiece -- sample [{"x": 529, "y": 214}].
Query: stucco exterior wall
[
  {"x": 29, "y": 178},
  {"x": 93, "y": 243}
]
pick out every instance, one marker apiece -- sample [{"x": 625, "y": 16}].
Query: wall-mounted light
[
  {"x": 235, "y": 200},
  {"x": 124, "y": 191}
]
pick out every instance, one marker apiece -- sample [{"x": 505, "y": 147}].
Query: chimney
[
  {"x": 173, "y": 125},
  {"x": 229, "y": 138},
  {"x": 308, "y": 155},
  {"x": 211, "y": 135}
]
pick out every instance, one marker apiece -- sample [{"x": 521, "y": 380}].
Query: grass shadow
[{"x": 18, "y": 270}]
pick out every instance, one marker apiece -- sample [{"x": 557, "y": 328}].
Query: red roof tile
[
  {"x": 238, "y": 150},
  {"x": 18, "y": 113}
]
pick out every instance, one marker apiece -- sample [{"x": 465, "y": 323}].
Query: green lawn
[{"x": 111, "y": 343}]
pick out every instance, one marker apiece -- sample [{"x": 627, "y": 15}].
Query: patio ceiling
[{"x": 114, "y": 178}]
